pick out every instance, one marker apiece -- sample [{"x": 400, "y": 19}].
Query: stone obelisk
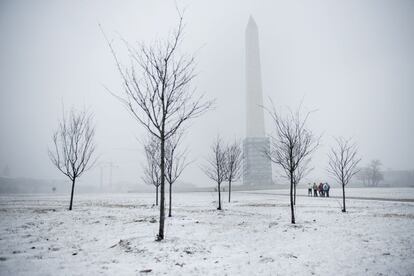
[{"x": 257, "y": 168}]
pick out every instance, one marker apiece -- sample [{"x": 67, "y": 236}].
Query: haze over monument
[
  {"x": 365, "y": 65},
  {"x": 257, "y": 167}
]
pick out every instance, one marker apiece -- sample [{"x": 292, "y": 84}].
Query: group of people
[{"x": 321, "y": 190}]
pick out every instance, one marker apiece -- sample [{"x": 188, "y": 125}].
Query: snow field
[{"x": 114, "y": 234}]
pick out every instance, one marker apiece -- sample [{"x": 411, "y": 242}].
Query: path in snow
[{"x": 340, "y": 197}]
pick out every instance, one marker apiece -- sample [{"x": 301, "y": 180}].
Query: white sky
[{"x": 351, "y": 60}]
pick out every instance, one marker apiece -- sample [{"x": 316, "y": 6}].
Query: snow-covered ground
[{"x": 114, "y": 235}]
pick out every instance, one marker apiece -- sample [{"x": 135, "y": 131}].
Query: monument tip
[{"x": 251, "y": 22}]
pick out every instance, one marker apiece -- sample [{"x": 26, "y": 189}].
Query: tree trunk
[
  {"x": 294, "y": 194},
  {"x": 229, "y": 190},
  {"x": 156, "y": 195},
  {"x": 71, "y": 194},
  {"x": 343, "y": 198},
  {"x": 162, "y": 203},
  {"x": 292, "y": 210},
  {"x": 169, "y": 210},
  {"x": 219, "y": 194}
]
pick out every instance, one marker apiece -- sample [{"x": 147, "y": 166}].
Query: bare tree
[
  {"x": 343, "y": 163},
  {"x": 216, "y": 166},
  {"x": 291, "y": 147},
  {"x": 175, "y": 163},
  {"x": 158, "y": 93},
  {"x": 234, "y": 160},
  {"x": 152, "y": 173},
  {"x": 73, "y": 146},
  {"x": 375, "y": 174}
]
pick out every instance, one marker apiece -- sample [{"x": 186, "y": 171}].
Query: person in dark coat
[
  {"x": 309, "y": 189},
  {"x": 315, "y": 190},
  {"x": 326, "y": 189},
  {"x": 320, "y": 189}
]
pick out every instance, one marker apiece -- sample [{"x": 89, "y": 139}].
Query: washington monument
[{"x": 257, "y": 168}]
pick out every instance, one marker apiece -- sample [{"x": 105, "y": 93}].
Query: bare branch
[
  {"x": 234, "y": 159},
  {"x": 343, "y": 160},
  {"x": 215, "y": 168},
  {"x": 152, "y": 170},
  {"x": 175, "y": 161},
  {"x": 73, "y": 144}
]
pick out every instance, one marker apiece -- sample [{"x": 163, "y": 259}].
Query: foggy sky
[{"x": 353, "y": 61}]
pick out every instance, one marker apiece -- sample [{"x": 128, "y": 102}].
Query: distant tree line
[{"x": 371, "y": 175}]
